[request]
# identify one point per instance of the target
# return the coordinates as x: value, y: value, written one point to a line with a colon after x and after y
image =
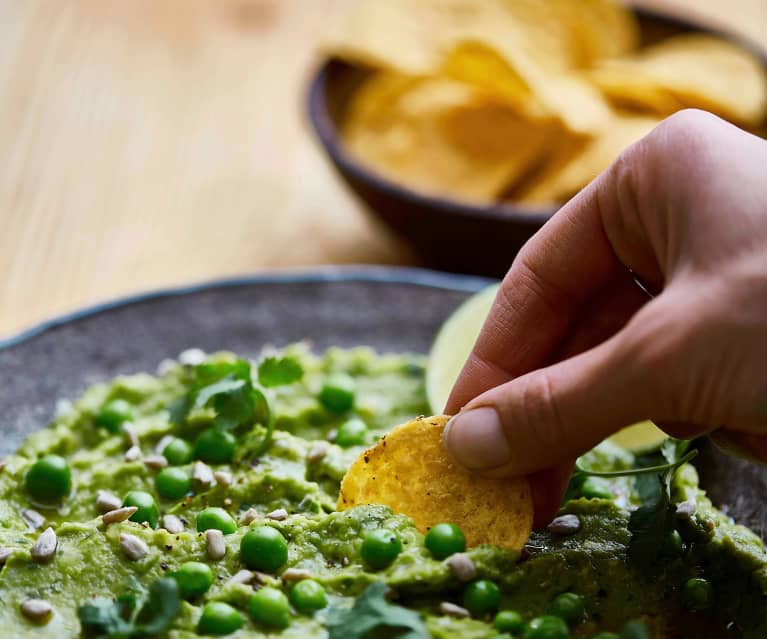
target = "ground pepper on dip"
x: 200, y: 502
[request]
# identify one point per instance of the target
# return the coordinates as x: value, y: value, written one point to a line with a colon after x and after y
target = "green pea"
x: 147, y: 507
x: 307, y: 596
x: 215, y: 446
x: 263, y: 548
x: 547, y: 627
x: 337, y: 394
x: 568, y: 606
x: 219, y: 619
x: 270, y: 607
x: 216, y: 518
x: 673, y: 545
x: 606, y: 635
x: 178, y: 452
x: 509, y: 621
x: 380, y: 548
x: 596, y: 488
x: 193, y: 578
x: 697, y: 594
x: 444, y: 540
x: 49, y: 479
x: 481, y: 597
x: 353, y: 432
x: 114, y: 414
x: 173, y: 483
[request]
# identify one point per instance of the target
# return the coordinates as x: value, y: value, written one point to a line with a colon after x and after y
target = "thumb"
x: 554, y: 414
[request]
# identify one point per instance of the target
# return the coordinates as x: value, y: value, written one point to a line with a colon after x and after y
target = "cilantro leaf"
x: 372, y: 612
x: 227, y: 388
x: 275, y: 371
x: 161, y: 607
x: 137, y: 614
x: 650, y: 523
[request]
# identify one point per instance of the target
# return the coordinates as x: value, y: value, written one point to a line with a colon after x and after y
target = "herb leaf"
x: 275, y: 371
x: 371, y: 612
x: 132, y: 615
x: 651, y: 523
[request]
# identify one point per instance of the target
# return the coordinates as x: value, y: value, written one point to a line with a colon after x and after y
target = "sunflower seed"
x: 278, y: 515
x: 317, y: 452
x: 106, y: 501
x: 164, y: 441
x: 33, y: 518
x: 296, y: 574
x: 461, y: 566
x: 133, y: 547
x: 686, y: 509
x: 45, y: 547
x: 216, y: 545
x: 37, y: 610
x: 172, y: 524
x: 564, y: 525
x: 447, y: 608
x: 132, y: 454
x: 118, y: 514
x: 192, y: 356
x: 202, y: 476
x: 250, y: 515
x: 155, y: 462
x: 4, y: 554
x: 131, y: 434
x: 223, y: 478
x: 242, y: 577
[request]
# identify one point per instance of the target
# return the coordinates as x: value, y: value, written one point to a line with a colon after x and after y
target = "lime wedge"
x: 453, y: 344
x: 639, y: 438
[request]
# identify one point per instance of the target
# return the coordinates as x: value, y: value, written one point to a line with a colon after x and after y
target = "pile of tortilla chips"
x: 523, y: 100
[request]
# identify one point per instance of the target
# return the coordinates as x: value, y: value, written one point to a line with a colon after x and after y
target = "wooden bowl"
x: 447, y: 234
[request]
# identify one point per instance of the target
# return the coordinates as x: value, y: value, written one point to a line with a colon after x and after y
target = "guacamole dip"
x: 200, y: 501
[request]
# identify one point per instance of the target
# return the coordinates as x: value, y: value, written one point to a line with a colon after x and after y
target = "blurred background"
x: 147, y: 143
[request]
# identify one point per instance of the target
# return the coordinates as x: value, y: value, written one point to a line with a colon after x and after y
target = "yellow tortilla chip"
x: 441, y: 137
x: 574, y: 165
x: 693, y: 70
x: 409, y: 471
x: 599, y: 28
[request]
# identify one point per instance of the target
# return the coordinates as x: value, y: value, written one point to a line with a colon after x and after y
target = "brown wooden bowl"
x: 447, y: 234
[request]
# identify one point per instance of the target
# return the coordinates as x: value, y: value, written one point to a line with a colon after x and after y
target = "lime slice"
x: 453, y: 344
x: 639, y: 438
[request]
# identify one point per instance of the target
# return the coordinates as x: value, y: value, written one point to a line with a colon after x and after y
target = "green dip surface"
x: 293, y: 486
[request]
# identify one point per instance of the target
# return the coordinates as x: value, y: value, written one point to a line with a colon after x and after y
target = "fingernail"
x: 475, y: 439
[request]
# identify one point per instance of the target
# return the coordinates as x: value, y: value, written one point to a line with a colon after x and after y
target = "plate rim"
x: 417, y: 276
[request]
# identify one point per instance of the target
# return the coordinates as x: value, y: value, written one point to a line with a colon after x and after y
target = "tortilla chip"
x: 692, y: 70
x: 441, y: 137
x: 409, y: 471
x: 574, y: 165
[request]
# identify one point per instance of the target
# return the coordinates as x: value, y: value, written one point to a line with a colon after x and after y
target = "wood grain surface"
x: 145, y: 143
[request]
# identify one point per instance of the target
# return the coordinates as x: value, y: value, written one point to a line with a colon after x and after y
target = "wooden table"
x: 145, y: 143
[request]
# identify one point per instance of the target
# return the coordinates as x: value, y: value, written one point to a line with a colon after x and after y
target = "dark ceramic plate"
x: 391, y: 309
x: 447, y: 234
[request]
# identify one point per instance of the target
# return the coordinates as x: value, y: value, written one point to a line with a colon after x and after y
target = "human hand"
x: 574, y: 350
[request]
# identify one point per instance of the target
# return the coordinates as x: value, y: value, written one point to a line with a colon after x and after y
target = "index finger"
x: 553, y: 276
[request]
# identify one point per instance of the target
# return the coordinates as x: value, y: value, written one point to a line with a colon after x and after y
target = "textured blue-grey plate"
x: 390, y: 309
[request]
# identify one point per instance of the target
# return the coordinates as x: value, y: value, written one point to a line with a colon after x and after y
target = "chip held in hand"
x: 409, y: 471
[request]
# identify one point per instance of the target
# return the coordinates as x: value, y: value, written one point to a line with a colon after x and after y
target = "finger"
x: 548, y: 488
x: 555, y: 276
x: 744, y: 445
x: 554, y: 414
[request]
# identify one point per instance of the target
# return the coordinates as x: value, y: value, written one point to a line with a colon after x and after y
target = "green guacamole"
x: 300, y: 472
